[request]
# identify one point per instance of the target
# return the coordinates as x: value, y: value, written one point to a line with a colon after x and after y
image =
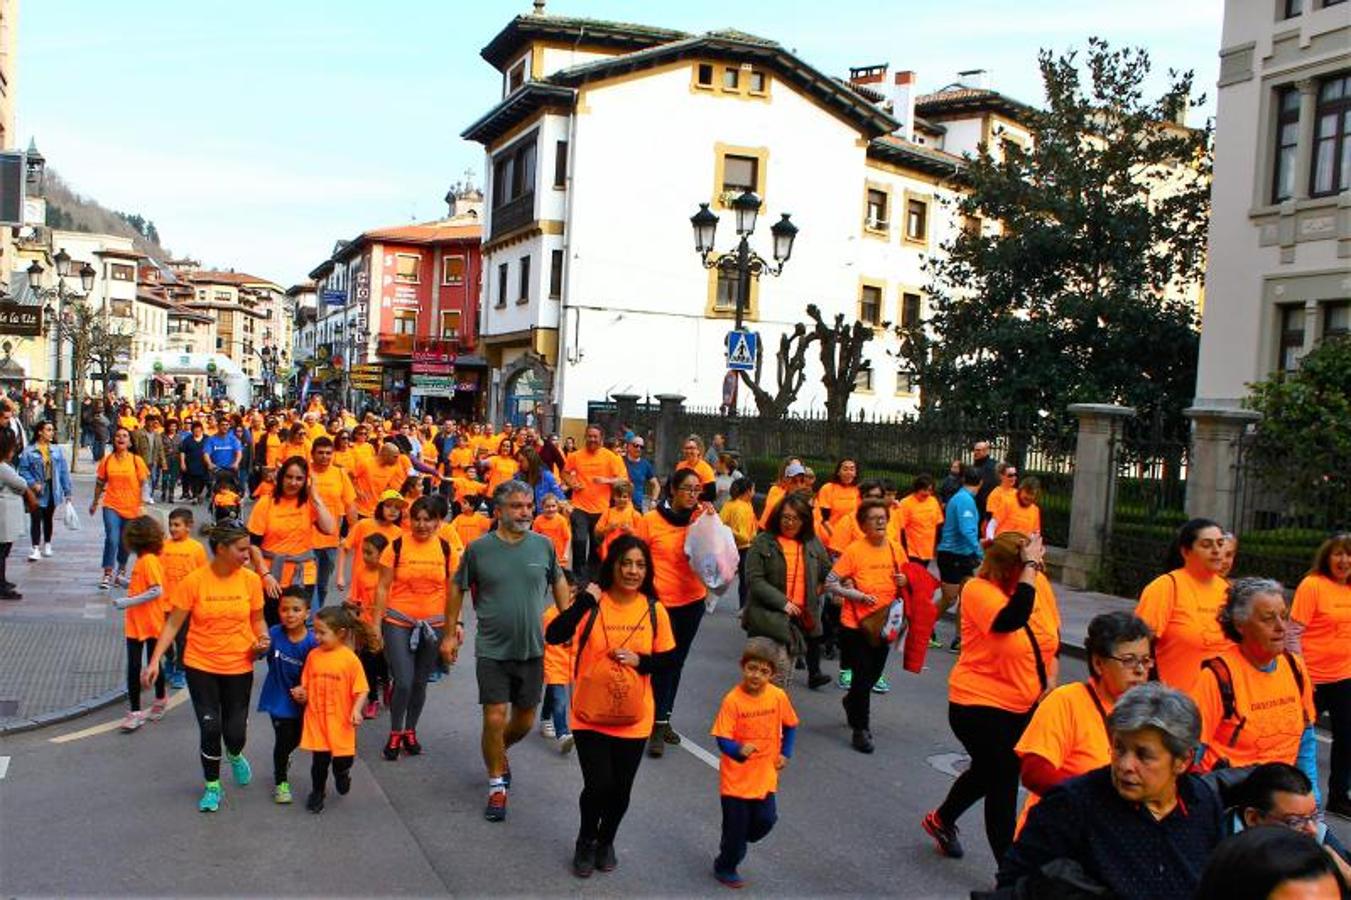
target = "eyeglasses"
x: 690, y: 489
x: 1295, y: 823
x: 1010, y: 474
x: 1134, y: 662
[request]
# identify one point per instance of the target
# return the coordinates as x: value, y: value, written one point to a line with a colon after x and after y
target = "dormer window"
x: 516, y: 75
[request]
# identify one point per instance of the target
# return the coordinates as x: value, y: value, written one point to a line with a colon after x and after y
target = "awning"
x: 166, y: 380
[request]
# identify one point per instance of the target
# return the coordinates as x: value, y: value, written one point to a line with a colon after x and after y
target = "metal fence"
x: 1151, y: 464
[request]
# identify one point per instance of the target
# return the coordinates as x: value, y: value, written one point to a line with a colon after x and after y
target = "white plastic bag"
x: 711, y: 549
x: 70, y: 516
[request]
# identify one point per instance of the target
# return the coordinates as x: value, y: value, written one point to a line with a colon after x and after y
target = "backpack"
x: 1224, y: 679
x: 445, y: 551
x: 609, y: 694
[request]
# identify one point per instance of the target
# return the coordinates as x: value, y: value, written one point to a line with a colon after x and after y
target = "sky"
x: 256, y: 133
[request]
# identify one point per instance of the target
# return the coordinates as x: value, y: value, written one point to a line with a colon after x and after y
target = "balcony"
x: 395, y: 344
x: 513, y: 214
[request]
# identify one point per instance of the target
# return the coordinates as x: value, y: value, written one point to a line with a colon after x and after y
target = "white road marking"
x: 698, y: 752
x: 4, y: 767
x: 177, y: 699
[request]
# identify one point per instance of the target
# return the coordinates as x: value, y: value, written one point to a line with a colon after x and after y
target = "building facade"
x: 250, y: 314
x: 1279, y: 272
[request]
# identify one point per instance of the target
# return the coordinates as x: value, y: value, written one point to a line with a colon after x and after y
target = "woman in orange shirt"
x: 282, y: 525
x: 692, y: 458
x: 678, y: 588
x: 1182, y: 606
x: 1021, y: 513
x: 120, y: 475
x: 501, y: 468
x: 626, y: 628
x: 222, y: 603
x: 792, y: 477
x: 1010, y: 630
x: 1320, y: 629
x: 837, y: 500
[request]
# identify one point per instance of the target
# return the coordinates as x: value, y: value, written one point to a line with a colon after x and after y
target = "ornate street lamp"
x: 742, y: 262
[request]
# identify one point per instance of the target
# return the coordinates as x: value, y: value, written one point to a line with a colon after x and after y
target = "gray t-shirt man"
x: 511, y: 584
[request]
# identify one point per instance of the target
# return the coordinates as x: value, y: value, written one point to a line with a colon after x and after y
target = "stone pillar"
x: 1094, y: 489
x: 1308, y: 101
x: 626, y: 408
x: 668, y: 441
x: 1212, y: 476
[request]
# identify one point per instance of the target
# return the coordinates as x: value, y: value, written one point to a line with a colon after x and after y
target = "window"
x: 731, y: 79
x: 877, y: 210
x: 514, y: 173
x: 1332, y: 138
x: 220, y: 343
x: 863, y: 381
x: 223, y: 296
x: 1293, y: 8
x: 561, y: 164
x: 740, y: 173
x: 916, y: 220
x: 201, y: 295
x: 1287, y: 139
x: 119, y: 272
x: 452, y: 270
x: 405, y: 322
x: 910, y: 306
x: 728, y: 285
x: 556, y: 274
x: 1292, y: 337
x: 406, y: 268
x: 870, y: 305
x: 1336, y: 320
x: 703, y: 75
x: 905, y: 381
x: 759, y: 82
x: 450, y: 323
x: 516, y: 76
x: 502, y: 285
x: 523, y: 292
x: 122, y: 308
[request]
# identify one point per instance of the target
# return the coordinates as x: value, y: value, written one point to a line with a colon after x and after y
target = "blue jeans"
x: 325, y: 559
x: 743, y: 821
x: 556, y: 707
x: 113, y: 549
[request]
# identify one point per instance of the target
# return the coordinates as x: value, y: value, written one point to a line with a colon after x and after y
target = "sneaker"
x: 240, y: 769
x: 506, y: 777
x: 342, y: 781
x: 410, y: 744
x: 315, y: 802
x: 656, y: 746
x: 606, y: 860
x: 546, y: 728
x: 436, y: 676
x: 106, y: 582
x: 956, y: 645
x: 370, y: 710
x: 210, y: 801
x: 935, y: 643
x: 846, y: 679
x: 565, y: 743
x: 496, y: 809
x: 35, y: 555
x: 46, y: 549
x: 670, y: 736
x: 945, y: 836
x: 157, y: 710
x: 393, y: 745
x: 862, y: 740
x: 882, y: 686
x: 729, y: 879
x: 817, y: 680
x: 584, y: 859
x: 121, y: 579
x: 131, y: 722
x: 282, y: 793
x: 10, y: 594
x: 178, y: 679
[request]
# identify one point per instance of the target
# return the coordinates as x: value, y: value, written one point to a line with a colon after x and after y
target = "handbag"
x: 874, y: 624
x: 609, y: 694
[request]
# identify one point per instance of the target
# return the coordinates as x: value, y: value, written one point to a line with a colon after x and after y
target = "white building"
x: 115, y: 262
x: 1279, y: 273
x: 605, y: 140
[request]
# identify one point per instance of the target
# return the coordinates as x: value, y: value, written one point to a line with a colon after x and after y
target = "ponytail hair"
x: 344, y: 621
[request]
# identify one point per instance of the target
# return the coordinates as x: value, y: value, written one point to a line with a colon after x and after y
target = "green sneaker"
x: 282, y: 793
x: 846, y: 679
x: 935, y: 643
x: 882, y: 685
x: 210, y: 801
x: 240, y: 768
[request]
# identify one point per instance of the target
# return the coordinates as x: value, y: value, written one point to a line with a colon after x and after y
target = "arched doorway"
x: 526, y: 398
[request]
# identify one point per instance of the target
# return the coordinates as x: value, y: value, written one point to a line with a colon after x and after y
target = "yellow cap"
x: 392, y: 495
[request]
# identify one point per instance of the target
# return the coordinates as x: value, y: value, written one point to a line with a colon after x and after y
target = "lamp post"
x: 62, y: 326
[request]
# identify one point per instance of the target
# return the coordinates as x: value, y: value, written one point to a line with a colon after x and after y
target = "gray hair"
x: 1237, y: 609
x: 1155, y: 705
x: 510, y: 488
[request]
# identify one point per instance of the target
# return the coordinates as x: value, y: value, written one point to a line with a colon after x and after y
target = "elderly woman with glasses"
x: 1140, y: 827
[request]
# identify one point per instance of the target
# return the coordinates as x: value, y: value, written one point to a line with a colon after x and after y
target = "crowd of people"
x: 1194, y: 733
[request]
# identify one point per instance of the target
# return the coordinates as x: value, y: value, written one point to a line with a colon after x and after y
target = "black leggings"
x: 377, y: 672
x: 666, y: 683
x: 989, y: 735
x: 221, y: 704
x: 410, y: 672
x: 866, y: 663
x: 609, y: 766
x: 4, y: 562
x: 40, y: 521
x: 139, y: 652
x: 287, y: 738
x: 1335, y: 697
x: 319, y: 768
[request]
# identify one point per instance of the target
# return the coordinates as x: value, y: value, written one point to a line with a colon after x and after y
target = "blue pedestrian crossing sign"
x: 743, y: 349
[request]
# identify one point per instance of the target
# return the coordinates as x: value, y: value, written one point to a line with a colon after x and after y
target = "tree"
x: 841, y: 359
x: 1080, y: 295
x: 789, y: 373
x: 92, y: 338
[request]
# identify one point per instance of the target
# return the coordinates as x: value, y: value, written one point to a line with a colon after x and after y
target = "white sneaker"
x: 565, y: 744
x: 46, y: 549
x: 546, y: 728
x: 121, y: 579
x: 35, y: 555
x: 132, y: 721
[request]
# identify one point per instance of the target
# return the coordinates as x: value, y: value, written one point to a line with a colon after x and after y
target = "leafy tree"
x: 841, y: 349
x: 93, y: 337
x: 789, y: 373
x: 1080, y: 294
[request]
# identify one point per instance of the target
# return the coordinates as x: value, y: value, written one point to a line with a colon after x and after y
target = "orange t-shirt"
x: 272, y: 452
x: 699, y: 467
x: 471, y: 526
x: 362, y: 592
x: 332, y: 680
x: 873, y: 571
x: 345, y: 460
x: 180, y: 558
x: 1181, y: 612
x: 291, y: 448
x: 1069, y: 731
x: 220, y: 626
x: 501, y: 469
x: 335, y: 490
x: 675, y: 580
x: 842, y: 500
x: 287, y: 529
x: 759, y: 720
x: 365, y: 528
x: 617, y: 520
x: 999, y: 669
x: 122, y: 478
x: 145, y: 621
x: 419, y: 587
x: 797, y: 574
x: 1016, y: 517
x: 460, y: 459
x: 999, y: 498
x: 559, y: 533
x: 1323, y: 607
x: 918, y: 520
x: 628, y: 625
x: 374, y: 479
x: 583, y: 465
x: 558, y: 658
x: 772, y: 498
x: 1273, y: 711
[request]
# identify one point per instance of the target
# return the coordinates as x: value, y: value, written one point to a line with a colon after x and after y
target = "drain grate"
x: 9, y: 709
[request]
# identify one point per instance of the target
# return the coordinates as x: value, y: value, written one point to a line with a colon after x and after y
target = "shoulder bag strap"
x: 581, y: 644
x: 1036, y: 656
x: 398, y: 548
x: 1097, y: 703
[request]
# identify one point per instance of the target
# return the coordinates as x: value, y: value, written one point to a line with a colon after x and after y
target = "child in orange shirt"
x: 556, y: 528
x: 225, y: 501
x: 756, y: 728
x: 738, y: 515
x: 145, y: 613
x: 621, y: 518
x: 553, y: 714
x: 360, y: 603
x: 332, y: 687
x: 266, y: 484
x: 470, y: 523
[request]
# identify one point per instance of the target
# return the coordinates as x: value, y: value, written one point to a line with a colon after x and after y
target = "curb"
x: 57, y: 716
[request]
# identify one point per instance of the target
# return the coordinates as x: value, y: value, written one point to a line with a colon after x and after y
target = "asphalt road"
x: 111, y: 814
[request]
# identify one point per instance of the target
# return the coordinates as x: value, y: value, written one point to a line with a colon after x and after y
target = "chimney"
x: 868, y: 74
x: 975, y: 79
x: 903, y: 103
